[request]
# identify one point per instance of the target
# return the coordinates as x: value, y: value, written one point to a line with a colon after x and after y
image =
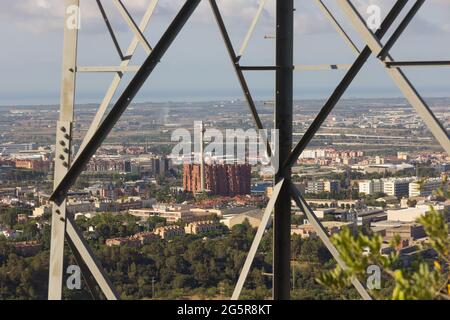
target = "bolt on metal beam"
x: 62, y: 152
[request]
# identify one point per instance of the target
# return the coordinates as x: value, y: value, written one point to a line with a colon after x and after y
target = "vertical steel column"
x: 63, y: 146
x: 283, y: 122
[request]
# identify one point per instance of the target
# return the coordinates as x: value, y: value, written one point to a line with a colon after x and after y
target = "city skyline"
x: 342, y: 192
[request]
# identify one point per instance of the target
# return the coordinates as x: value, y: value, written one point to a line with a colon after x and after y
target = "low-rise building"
x: 200, y: 227
x: 143, y: 213
x: 33, y: 164
x: 125, y: 241
x: 137, y: 240
x: 144, y: 237
x: 172, y: 214
x: 253, y: 217
x: 406, y: 231
x: 412, y: 214
x: 27, y: 248
x: 367, y: 216
x: 41, y: 210
x: 82, y: 206
x: 307, y: 230
x: 169, y: 232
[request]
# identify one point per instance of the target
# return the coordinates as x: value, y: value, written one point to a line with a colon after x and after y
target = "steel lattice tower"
x: 68, y: 168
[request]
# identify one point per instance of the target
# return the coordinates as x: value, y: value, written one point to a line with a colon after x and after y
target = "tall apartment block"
x: 220, y: 179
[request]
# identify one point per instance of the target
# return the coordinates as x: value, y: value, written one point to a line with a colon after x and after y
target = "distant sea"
x: 10, y: 99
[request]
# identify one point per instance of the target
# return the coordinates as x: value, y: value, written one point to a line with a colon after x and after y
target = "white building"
x: 313, y: 154
x: 424, y: 189
x: 370, y: 187
x: 396, y: 186
x: 315, y: 187
x: 253, y: 217
x: 412, y: 214
x: 365, y: 187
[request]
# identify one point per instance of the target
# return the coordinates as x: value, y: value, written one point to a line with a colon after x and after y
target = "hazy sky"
x: 197, y: 66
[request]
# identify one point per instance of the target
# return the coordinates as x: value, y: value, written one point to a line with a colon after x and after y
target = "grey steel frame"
x: 67, y: 171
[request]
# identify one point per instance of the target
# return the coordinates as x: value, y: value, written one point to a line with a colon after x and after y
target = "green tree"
x: 424, y: 280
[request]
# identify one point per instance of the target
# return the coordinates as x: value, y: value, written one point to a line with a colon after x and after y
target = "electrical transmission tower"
x: 69, y: 168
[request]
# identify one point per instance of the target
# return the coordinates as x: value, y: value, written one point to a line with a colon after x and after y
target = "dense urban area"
x: 373, y: 168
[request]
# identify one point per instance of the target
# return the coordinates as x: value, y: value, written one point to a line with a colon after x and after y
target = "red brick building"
x: 220, y: 179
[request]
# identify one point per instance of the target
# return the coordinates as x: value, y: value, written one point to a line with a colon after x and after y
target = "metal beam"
x: 91, y: 262
x: 258, y: 68
x: 323, y: 235
x: 133, y: 26
x: 283, y: 123
x: 90, y: 284
x: 400, y: 29
x: 265, y: 221
x: 250, y: 31
x: 300, y: 67
x: 63, y: 146
x: 337, y: 26
x: 400, y: 79
x: 240, y: 75
x: 118, y: 77
x: 124, y: 101
x: 398, y: 64
x: 343, y: 86
x: 322, y: 67
x: 234, y: 59
x: 110, y: 29
x: 102, y: 69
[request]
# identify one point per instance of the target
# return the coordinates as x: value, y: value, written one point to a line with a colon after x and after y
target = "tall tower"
x: 202, y: 157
